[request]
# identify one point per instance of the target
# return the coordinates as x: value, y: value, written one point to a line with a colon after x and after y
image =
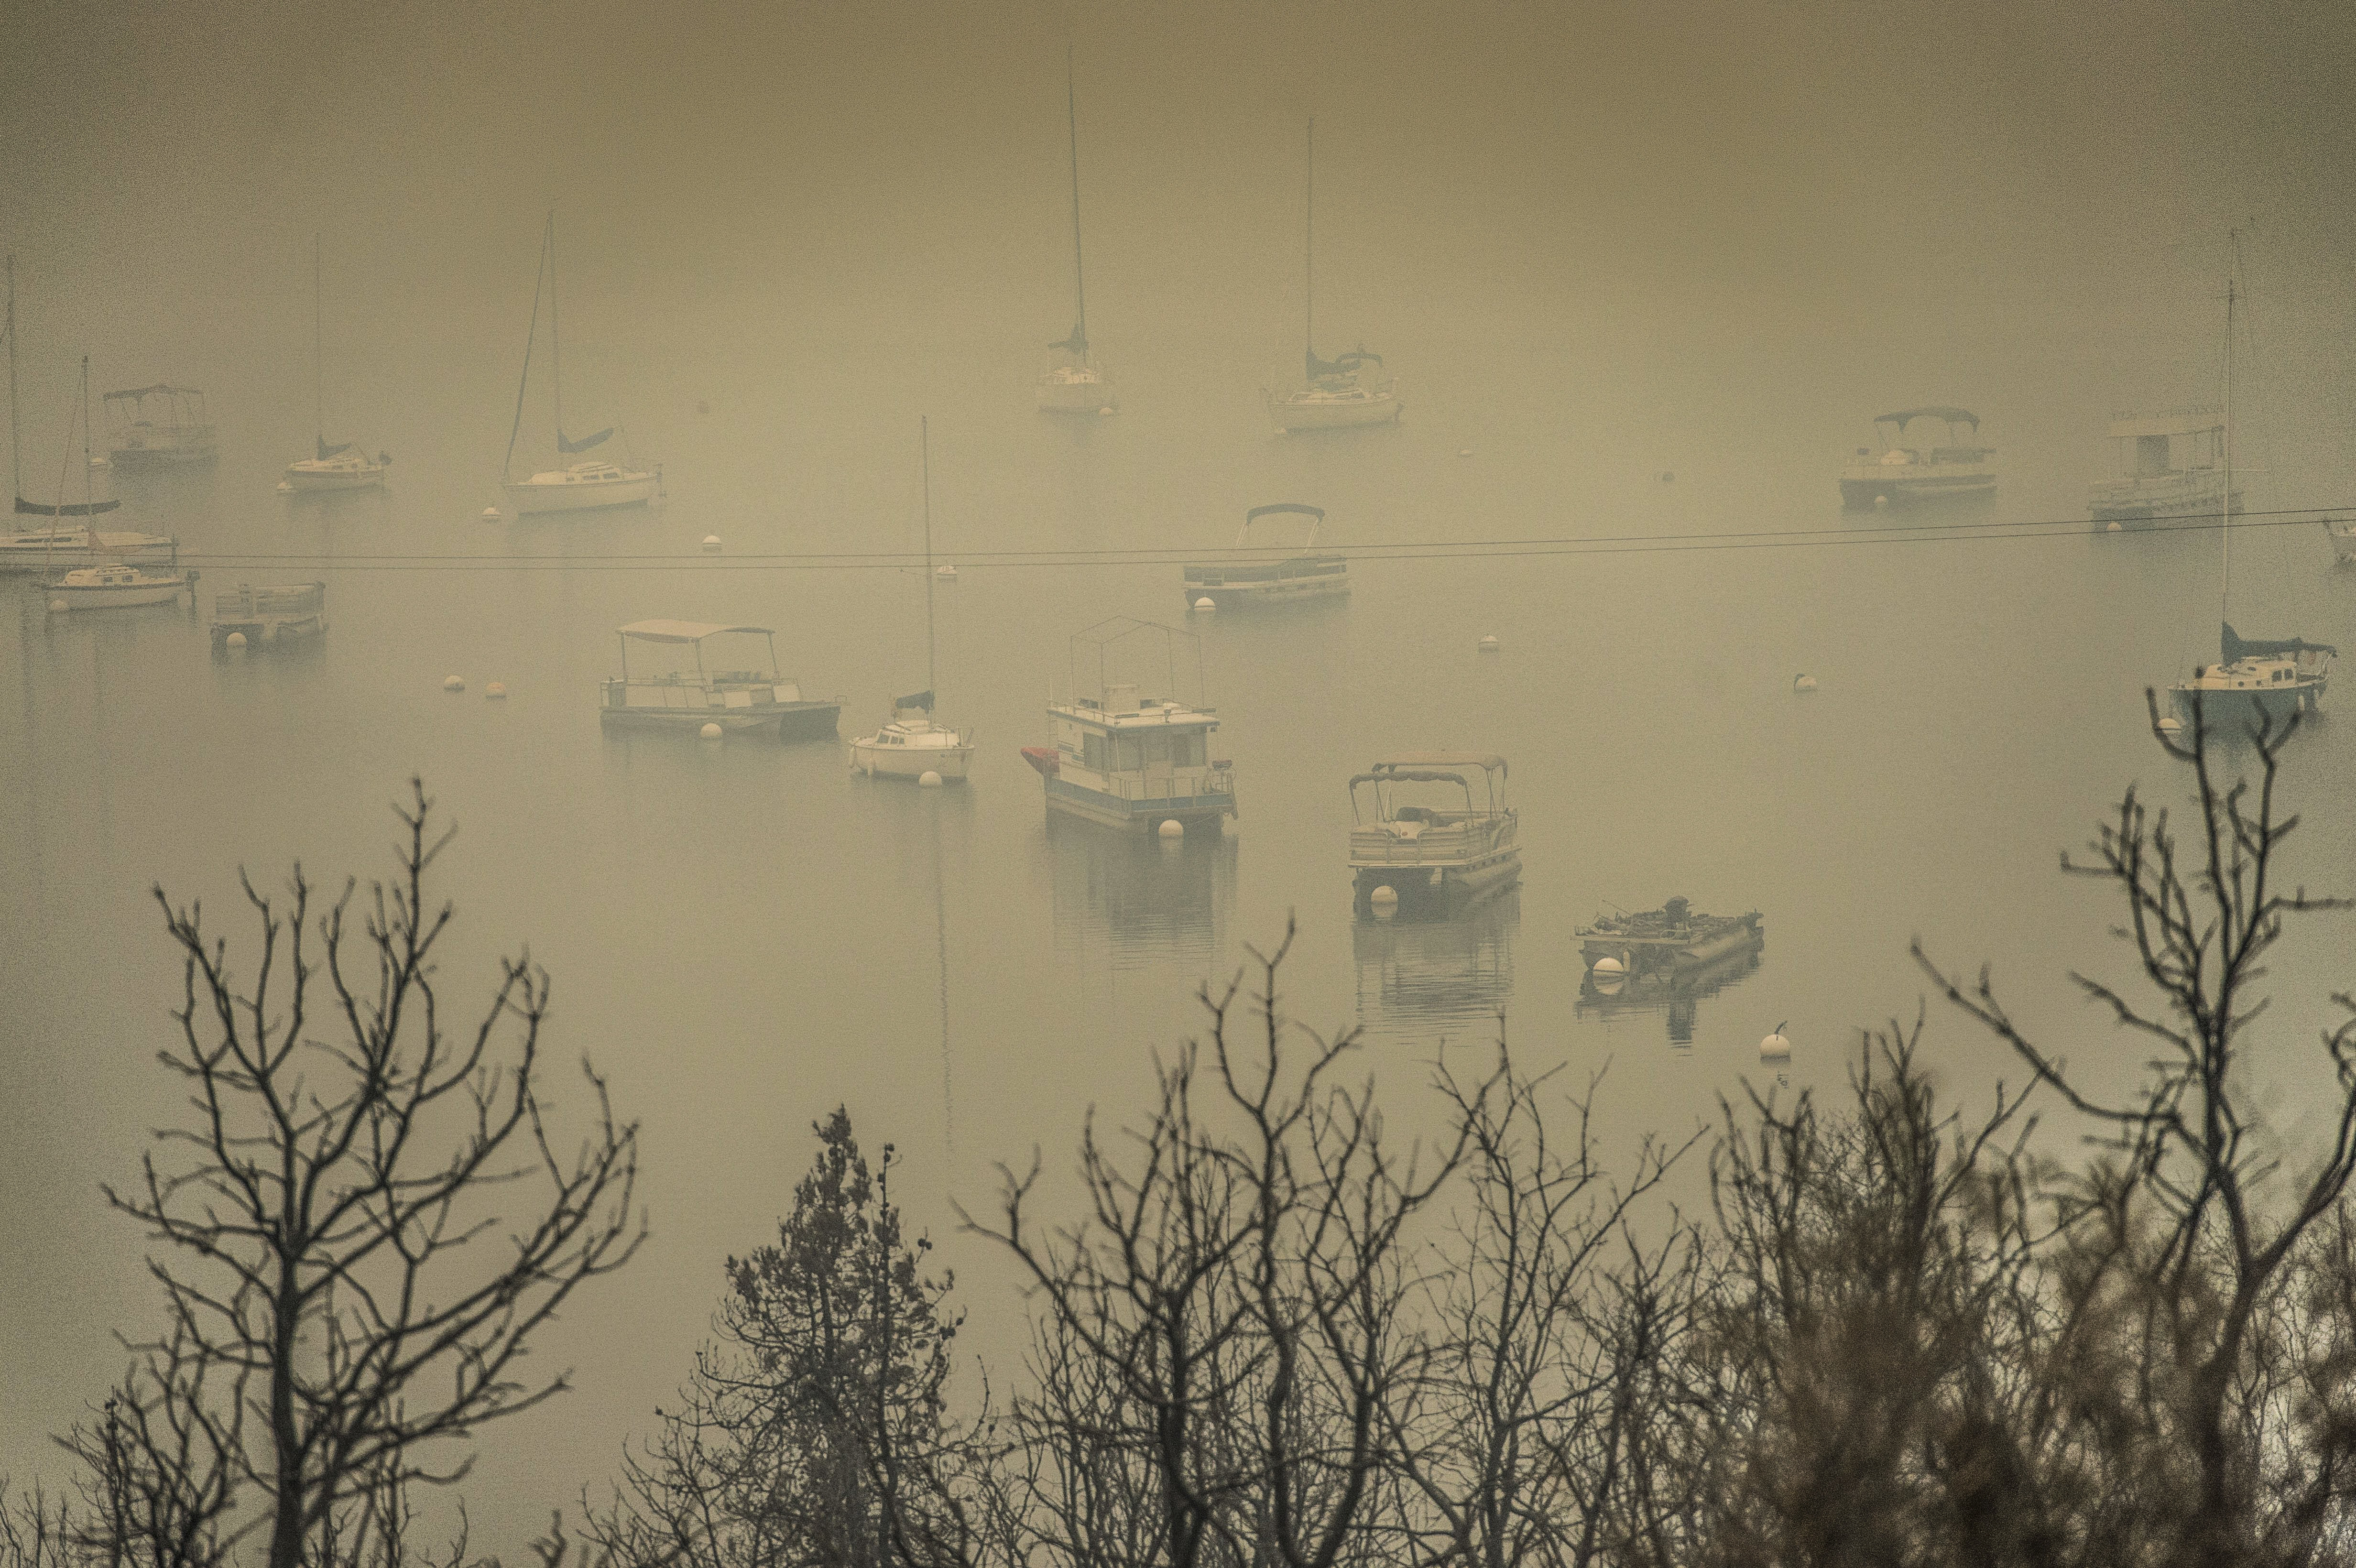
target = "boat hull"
x: 600, y: 496
x: 2232, y: 712
x: 2158, y: 500
x: 1059, y: 397
x: 163, y: 455
x: 305, y: 480
x: 911, y: 762
x: 787, y: 720
x: 1864, y: 491
x: 2343, y: 541
x: 1194, y: 812
x: 135, y: 549
x: 1444, y: 889
x: 1299, y: 413
x: 74, y: 596
x: 1243, y: 596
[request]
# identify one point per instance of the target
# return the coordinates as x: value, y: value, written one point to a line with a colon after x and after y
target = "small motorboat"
x: 1305, y: 575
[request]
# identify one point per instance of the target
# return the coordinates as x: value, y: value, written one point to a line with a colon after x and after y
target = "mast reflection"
x: 1142, y: 899
x: 1438, y: 977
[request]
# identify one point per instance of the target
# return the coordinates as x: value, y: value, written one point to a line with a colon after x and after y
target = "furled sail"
x: 923, y: 699
x: 326, y: 452
x: 584, y: 443
x: 74, y: 509
x: 2232, y: 648
x: 1077, y: 343
x: 1347, y: 364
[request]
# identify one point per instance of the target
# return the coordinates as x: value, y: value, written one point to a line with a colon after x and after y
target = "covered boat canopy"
x: 2171, y: 421
x: 682, y: 631
x: 2232, y: 648
x: 1259, y: 512
x: 1413, y: 775
x: 1431, y: 767
x: 160, y: 389
x: 1903, y: 417
x: 1485, y: 760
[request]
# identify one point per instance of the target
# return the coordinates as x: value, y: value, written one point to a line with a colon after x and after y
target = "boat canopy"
x: 2232, y: 648
x: 1904, y: 417
x: 682, y: 631
x: 2172, y: 422
x: 1384, y: 775
x: 1257, y: 513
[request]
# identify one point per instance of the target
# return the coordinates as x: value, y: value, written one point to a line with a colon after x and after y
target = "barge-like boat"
x: 1306, y: 575
x: 734, y: 699
x: 1902, y: 475
x: 1675, y: 936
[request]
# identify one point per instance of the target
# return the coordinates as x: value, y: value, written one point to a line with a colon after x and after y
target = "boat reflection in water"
x: 1676, y: 991
x: 1140, y: 900
x: 1438, y: 977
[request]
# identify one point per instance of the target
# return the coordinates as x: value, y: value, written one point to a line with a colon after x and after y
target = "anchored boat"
x: 912, y: 745
x: 583, y: 487
x: 2342, y: 531
x: 1901, y: 475
x: 1350, y: 389
x: 1673, y: 936
x: 341, y: 466
x: 735, y: 699
x: 2171, y: 465
x: 1411, y: 858
x: 1306, y: 575
x: 158, y: 426
x: 117, y: 587
x: 1074, y: 383
x: 1127, y: 759
x: 269, y: 614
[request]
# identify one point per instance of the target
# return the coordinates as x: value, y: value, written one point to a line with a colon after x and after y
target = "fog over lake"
x: 1645, y: 277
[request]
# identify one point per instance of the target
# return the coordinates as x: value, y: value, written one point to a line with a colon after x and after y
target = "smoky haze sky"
x: 853, y: 172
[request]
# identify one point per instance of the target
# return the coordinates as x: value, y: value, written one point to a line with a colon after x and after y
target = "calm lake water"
x: 745, y: 935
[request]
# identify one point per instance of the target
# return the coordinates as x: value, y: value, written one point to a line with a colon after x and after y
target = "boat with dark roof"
x: 1902, y: 474
x: 1415, y: 852
x: 1305, y: 574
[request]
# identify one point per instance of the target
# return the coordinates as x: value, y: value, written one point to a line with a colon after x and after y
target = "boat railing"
x: 1457, y: 841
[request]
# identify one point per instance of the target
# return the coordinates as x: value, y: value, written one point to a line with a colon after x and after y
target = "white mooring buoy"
x: 1464, y: 452
x: 1490, y: 645
x: 491, y: 515
x: 1776, y: 1047
x: 234, y: 640
x: 1384, y: 898
x: 496, y: 689
x: 1804, y: 682
x: 2113, y: 528
x: 946, y: 573
x: 709, y: 732
x: 59, y: 606
x: 1173, y: 829
x: 928, y: 779
x: 285, y: 487
x: 1609, y: 966
x: 453, y: 683
x: 1207, y: 605
x: 712, y: 544
x: 1106, y: 410
x: 2172, y: 726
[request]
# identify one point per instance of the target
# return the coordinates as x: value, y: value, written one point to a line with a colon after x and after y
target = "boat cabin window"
x: 1188, y: 747
x: 1096, y: 751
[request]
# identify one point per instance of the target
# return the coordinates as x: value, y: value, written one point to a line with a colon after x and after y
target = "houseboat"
x: 2169, y: 465
x: 1901, y: 475
x: 1409, y: 856
x: 1126, y: 759
x: 1305, y: 575
x: 743, y: 699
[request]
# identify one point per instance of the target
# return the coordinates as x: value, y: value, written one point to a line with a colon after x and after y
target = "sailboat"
x: 2253, y: 681
x: 1351, y: 389
x: 55, y: 546
x: 1073, y: 383
x: 912, y: 745
x: 583, y: 487
x: 341, y: 467
x: 109, y: 583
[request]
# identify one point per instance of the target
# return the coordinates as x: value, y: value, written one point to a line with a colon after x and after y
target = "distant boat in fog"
x: 1303, y: 575
x: 1073, y: 383
x: 1899, y: 474
x: 1352, y: 388
x: 2253, y: 680
x: 2171, y: 465
x: 912, y: 745
x: 1125, y: 758
x: 2342, y: 531
x: 161, y: 426
x: 108, y: 584
x: 756, y: 698
x: 583, y: 487
x: 56, y: 547
x: 340, y: 468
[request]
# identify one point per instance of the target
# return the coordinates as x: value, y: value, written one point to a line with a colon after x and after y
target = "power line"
x: 1432, y: 550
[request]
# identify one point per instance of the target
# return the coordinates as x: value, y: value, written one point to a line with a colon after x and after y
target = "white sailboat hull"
x: 562, y: 491
x: 114, y: 597
x: 910, y: 762
x: 70, y: 549
x: 1082, y: 392
x: 313, y: 476
x: 1332, y: 411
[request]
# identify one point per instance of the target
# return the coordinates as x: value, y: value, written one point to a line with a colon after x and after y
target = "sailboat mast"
x: 925, y: 445
x: 1309, y: 244
x: 318, y: 350
x: 2225, y: 572
x: 15, y: 441
x: 555, y: 337
x: 1079, y: 276
x: 88, y: 510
